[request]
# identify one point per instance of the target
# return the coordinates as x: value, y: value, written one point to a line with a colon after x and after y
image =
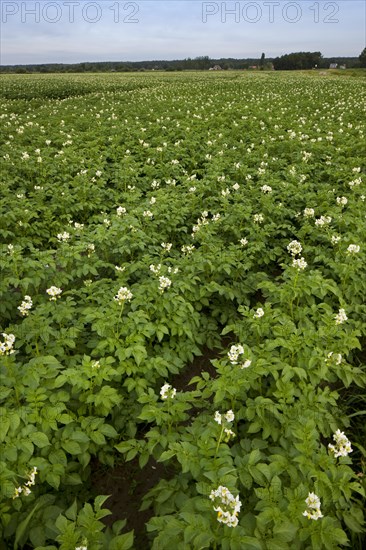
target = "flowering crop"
x: 228, y: 417
x: 167, y: 391
x: 226, y: 505
x: 121, y: 210
x: 6, y: 347
x: 259, y: 313
x: 323, y: 220
x: 230, y: 217
x: 164, y: 283
x: 25, y: 489
x: 63, y: 237
x: 341, y: 317
x: 54, y: 292
x: 309, y: 212
x: 342, y: 446
x: 294, y: 248
x: 25, y: 306
x: 234, y: 353
x: 353, y: 249
x: 299, y: 263
x: 123, y: 295
x: 313, y: 510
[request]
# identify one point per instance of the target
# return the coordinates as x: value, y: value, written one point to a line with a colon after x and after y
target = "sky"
x: 73, y: 31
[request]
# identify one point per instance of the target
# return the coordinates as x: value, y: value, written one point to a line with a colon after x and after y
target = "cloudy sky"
x: 71, y: 31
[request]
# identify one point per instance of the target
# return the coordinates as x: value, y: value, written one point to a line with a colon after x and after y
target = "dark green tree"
x: 362, y: 58
x: 202, y: 62
x: 297, y: 61
x: 261, y: 63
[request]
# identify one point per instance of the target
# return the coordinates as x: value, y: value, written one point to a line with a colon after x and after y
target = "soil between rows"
x: 127, y: 483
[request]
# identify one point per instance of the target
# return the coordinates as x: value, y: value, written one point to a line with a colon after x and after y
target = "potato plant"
x: 144, y: 219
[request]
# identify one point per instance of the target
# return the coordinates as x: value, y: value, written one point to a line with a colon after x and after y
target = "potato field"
x: 183, y: 311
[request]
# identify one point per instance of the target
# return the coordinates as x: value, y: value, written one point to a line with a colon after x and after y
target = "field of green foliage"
x: 151, y: 219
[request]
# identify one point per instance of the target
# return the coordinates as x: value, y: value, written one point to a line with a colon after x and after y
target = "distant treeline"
x: 292, y: 61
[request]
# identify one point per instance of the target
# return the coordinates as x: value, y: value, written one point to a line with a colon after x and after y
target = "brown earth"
x: 128, y: 484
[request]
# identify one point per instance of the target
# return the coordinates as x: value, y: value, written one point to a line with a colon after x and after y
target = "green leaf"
x: 285, y: 532
x: 58, y: 457
x: 125, y: 446
x: 61, y: 523
x: 203, y: 540
x: 254, y: 457
x: 143, y: 459
x: 71, y: 513
x: 71, y: 447
x: 166, y: 455
x: 53, y: 479
x: 100, y: 500
x: 39, y: 439
x: 4, y: 392
x: 122, y: 542
x: 37, y: 536
x: 131, y: 454
x: 65, y: 418
x: 277, y: 544
x: 73, y: 478
x: 108, y: 430
x: 353, y: 523
x: 79, y: 436
x: 5, y: 425
x: 21, y: 529
x: 250, y: 543
x: 14, y: 420
x: 98, y: 438
x: 246, y: 479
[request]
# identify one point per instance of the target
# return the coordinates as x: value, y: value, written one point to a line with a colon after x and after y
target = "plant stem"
x: 292, y: 299
x: 219, y: 441
x: 117, y: 334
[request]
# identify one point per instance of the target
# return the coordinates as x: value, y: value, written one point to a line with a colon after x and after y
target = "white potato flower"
x: 259, y: 313
x: 341, y: 317
x: 164, y: 283
x: 6, y: 347
x: 123, y: 295
x: 226, y: 505
x: 299, y: 263
x: 353, y: 249
x: 167, y: 391
x: 313, y: 504
x: 54, y: 293
x: 25, y: 306
x: 342, y: 446
x: 294, y: 248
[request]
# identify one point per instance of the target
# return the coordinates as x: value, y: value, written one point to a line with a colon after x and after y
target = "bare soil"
x: 128, y: 484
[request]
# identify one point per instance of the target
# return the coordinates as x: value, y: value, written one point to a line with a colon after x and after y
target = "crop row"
x: 145, y: 219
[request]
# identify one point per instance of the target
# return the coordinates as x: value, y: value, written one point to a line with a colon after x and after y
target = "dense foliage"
x: 144, y: 219
x: 201, y: 63
x: 298, y: 61
x: 362, y: 58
